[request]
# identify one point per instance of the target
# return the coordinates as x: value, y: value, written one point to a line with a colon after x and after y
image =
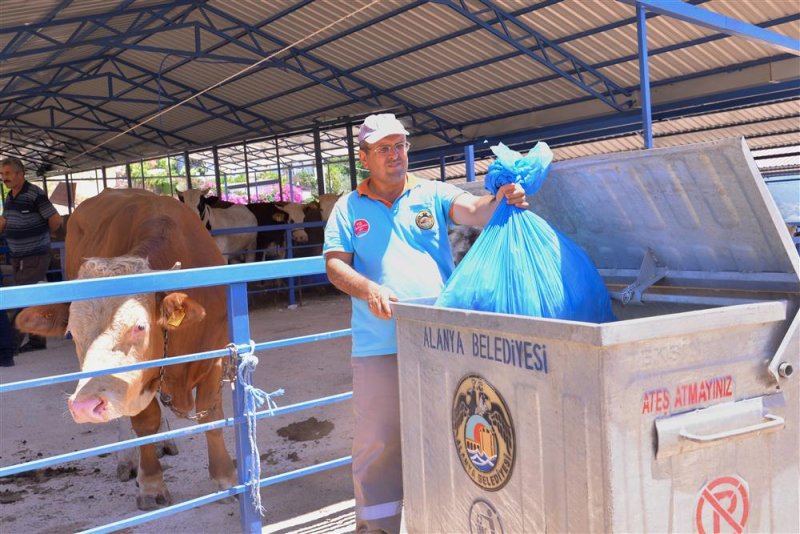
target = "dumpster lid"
x: 703, y: 209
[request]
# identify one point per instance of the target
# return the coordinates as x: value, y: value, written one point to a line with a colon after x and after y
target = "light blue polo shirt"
x: 402, y: 246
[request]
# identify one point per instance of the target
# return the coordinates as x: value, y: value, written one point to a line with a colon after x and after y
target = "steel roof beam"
x: 257, y: 124
x: 410, y: 50
x: 510, y: 55
x: 29, y: 156
x: 103, y: 126
x: 153, y: 13
x: 106, y: 127
x: 100, y: 20
x: 721, y: 23
x: 547, y: 53
x: 36, y: 147
x: 623, y: 123
x: 24, y: 35
x: 449, y: 36
x: 251, y: 125
x: 52, y: 66
x: 110, y: 41
x: 332, y: 71
x: 79, y: 143
x: 759, y: 98
x: 222, y: 110
x: 121, y: 9
x: 616, y: 61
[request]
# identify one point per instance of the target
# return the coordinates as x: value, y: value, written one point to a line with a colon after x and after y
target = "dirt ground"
x: 83, y: 494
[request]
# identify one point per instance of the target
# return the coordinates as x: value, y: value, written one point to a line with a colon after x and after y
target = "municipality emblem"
x: 483, y: 433
x: 425, y: 219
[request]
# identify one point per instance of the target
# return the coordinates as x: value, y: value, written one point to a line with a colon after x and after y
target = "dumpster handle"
x: 774, y: 421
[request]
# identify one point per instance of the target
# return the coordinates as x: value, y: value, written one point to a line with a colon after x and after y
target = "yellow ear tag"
x: 176, y: 318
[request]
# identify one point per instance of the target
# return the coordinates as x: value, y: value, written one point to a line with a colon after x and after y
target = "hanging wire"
x: 223, y: 81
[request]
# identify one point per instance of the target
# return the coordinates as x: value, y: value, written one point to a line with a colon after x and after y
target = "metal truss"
x: 617, y: 61
x: 519, y: 35
x: 217, y: 36
x: 718, y: 22
x: 349, y: 85
x: 618, y: 124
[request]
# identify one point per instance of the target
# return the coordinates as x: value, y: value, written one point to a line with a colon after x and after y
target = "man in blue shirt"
x: 27, y: 220
x: 386, y: 241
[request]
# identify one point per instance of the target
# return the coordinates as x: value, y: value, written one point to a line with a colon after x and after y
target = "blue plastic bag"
x: 520, y: 264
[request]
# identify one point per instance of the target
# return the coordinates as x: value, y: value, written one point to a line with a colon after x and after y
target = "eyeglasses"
x: 385, y: 150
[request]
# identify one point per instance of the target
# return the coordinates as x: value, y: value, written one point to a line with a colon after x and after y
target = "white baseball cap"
x: 376, y: 127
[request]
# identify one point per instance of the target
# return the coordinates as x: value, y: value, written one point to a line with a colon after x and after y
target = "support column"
x: 278, y: 164
x: 469, y: 162
x: 351, y: 158
x: 246, y: 173
x: 69, y: 192
x: 318, y: 161
x: 187, y: 169
x: 644, y: 76
x: 216, y: 172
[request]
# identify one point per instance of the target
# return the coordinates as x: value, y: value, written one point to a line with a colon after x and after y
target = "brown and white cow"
x: 133, y: 231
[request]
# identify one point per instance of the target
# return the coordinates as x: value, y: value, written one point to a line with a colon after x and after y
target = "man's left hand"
x: 514, y: 195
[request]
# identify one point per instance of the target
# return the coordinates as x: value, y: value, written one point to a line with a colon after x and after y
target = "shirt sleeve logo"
x: 425, y: 220
x: 360, y: 227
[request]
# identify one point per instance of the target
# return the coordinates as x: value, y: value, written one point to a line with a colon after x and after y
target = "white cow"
x: 296, y: 216
x: 231, y: 245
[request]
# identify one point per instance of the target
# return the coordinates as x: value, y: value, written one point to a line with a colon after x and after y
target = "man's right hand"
x: 379, y: 298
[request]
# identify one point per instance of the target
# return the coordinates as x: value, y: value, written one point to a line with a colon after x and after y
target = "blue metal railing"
x: 235, y: 277
x: 291, y: 250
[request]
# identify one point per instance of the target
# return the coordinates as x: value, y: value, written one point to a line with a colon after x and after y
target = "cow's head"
x: 110, y: 332
x: 196, y: 198
x: 296, y: 216
x: 326, y: 203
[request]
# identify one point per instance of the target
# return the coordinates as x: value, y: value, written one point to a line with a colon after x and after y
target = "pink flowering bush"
x: 271, y: 193
x: 268, y: 193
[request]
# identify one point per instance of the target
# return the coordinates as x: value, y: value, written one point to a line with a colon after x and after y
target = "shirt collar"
x: 24, y: 188
x: 363, y: 189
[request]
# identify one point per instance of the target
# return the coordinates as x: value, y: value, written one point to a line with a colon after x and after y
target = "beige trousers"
x: 377, y: 465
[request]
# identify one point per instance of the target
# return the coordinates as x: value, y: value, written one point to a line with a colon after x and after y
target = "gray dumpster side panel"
x: 586, y: 453
x: 659, y: 495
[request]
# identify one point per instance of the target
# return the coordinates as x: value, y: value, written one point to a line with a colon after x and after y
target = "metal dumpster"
x: 680, y: 417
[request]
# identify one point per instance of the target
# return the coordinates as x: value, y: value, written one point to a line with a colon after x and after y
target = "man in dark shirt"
x: 27, y: 220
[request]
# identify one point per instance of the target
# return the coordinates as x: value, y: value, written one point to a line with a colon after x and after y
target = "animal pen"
x: 241, y: 352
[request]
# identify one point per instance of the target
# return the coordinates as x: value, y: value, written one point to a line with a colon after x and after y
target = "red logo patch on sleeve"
x: 360, y: 227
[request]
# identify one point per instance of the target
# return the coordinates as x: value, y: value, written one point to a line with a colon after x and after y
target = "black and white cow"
x: 231, y: 245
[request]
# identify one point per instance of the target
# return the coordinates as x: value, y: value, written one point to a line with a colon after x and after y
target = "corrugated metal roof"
x: 447, y: 76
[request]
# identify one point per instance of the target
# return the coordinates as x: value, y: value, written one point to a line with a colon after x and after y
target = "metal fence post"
x: 289, y: 255
x: 239, y: 333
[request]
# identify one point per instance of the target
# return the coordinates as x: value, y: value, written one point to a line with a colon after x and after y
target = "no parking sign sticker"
x: 723, y: 505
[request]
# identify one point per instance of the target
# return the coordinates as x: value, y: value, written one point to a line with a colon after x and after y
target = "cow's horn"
x: 176, y: 267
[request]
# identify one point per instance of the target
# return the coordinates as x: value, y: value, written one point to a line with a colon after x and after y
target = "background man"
x: 385, y: 241
x: 27, y: 220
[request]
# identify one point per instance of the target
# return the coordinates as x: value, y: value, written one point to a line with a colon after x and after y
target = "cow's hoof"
x: 153, y: 502
x: 169, y: 447
x: 126, y: 471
